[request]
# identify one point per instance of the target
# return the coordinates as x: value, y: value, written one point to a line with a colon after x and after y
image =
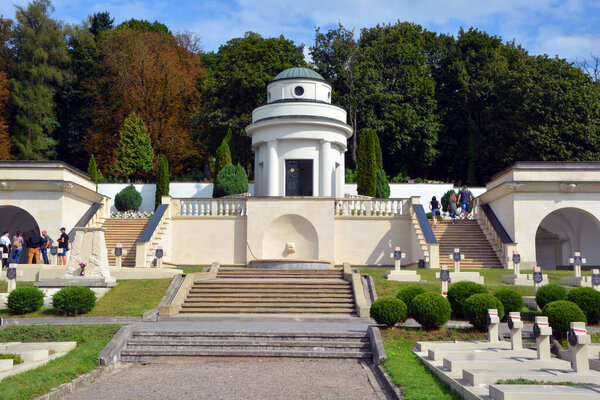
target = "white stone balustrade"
x: 211, y: 207
x: 369, y: 208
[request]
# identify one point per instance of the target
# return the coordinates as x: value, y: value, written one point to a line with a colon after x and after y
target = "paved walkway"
x: 236, y: 379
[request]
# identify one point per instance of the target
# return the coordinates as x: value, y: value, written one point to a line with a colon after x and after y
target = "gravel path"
x: 235, y: 379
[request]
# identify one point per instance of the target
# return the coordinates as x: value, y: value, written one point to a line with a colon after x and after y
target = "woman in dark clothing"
x: 434, y: 206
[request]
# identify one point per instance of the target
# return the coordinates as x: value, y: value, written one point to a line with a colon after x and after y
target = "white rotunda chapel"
x: 299, y: 138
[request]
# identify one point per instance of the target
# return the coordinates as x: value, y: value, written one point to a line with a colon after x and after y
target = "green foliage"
x: 475, y: 309
x: 459, y: 292
x: 25, y: 300
x: 223, y: 157
x: 141, y: 25
x: 560, y: 314
x: 588, y: 299
x: 128, y: 199
x: 388, y: 311
x: 350, y: 176
x: 401, y: 177
x: 549, y: 293
x: 445, y: 200
x: 232, y: 179
x: 430, y: 216
x: 383, y: 187
x: 408, y: 293
x: 162, y: 181
x: 431, y: 310
x: 93, y: 169
x: 74, y: 300
x: 15, y: 357
x: 134, y: 152
x: 377, y: 148
x: 511, y: 300
x: 37, y: 42
x: 101, y: 21
x: 366, y: 169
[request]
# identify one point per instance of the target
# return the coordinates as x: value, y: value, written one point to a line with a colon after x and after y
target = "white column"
x: 272, y: 182
x: 340, y: 177
x: 325, y: 170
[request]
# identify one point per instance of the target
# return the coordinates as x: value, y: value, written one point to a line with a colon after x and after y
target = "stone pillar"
x: 493, y: 322
x: 542, y: 332
x: 578, y: 342
x: 516, y: 326
x: 272, y: 181
x: 326, y: 169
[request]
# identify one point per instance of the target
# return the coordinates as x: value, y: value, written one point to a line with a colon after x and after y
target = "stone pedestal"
x: 403, y: 275
x: 577, y: 281
x: 523, y: 279
x: 463, y: 276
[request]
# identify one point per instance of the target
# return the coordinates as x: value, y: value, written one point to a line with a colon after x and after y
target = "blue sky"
x: 568, y: 28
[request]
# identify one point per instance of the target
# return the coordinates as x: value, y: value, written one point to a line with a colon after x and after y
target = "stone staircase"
x: 151, y: 346
x: 271, y: 291
x: 467, y: 235
x: 125, y: 232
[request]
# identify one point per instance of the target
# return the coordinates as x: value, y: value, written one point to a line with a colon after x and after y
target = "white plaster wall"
x: 369, y: 241
x: 300, y: 108
x: 284, y: 89
x: 201, y: 241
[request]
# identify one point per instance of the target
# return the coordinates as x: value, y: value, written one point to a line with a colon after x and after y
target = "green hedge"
x: 128, y: 199
x: 232, y: 179
x: 560, y: 314
x: 388, y: 311
x: 511, y: 300
x: 476, y: 309
x: 408, y: 293
x: 25, y: 300
x: 588, y: 299
x: 549, y: 293
x: 74, y: 300
x: 431, y: 310
x: 459, y: 292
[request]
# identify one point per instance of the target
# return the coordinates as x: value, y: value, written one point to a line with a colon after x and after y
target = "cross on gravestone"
x: 118, y: 255
x: 578, y: 341
x: 397, y: 255
x: 596, y: 279
x: 444, y: 277
x: 516, y: 259
x: 493, y: 321
x: 538, y: 277
x: 577, y: 261
x: 456, y: 256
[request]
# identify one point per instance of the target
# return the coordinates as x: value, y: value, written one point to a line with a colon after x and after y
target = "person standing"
x: 46, y: 246
x: 63, y: 244
x: 434, y: 206
x: 465, y: 199
x: 452, y: 206
x: 5, y: 244
x: 34, y: 244
x: 17, y: 247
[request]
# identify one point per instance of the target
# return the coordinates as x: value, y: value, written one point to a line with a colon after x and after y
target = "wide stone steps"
x: 125, y: 232
x: 154, y: 346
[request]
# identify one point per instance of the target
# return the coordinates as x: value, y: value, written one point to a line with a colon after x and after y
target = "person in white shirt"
x: 5, y: 244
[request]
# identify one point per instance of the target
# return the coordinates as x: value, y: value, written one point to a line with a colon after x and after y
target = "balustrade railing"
x: 370, y: 207
x: 211, y: 207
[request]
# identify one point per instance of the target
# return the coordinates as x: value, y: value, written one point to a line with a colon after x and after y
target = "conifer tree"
x: 134, y: 151
x: 223, y: 156
x: 366, y: 170
x: 92, y: 169
x: 377, y: 147
x: 162, y: 181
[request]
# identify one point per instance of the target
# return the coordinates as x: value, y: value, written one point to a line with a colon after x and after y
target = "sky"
x: 567, y: 28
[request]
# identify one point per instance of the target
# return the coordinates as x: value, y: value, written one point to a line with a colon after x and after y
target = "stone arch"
x: 564, y: 231
x: 293, y: 229
x: 13, y: 219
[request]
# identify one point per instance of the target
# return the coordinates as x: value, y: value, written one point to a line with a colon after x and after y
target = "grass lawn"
x: 90, y: 342
x: 191, y: 270
x: 130, y: 298
x: 413, y: 378
x: 385, y: 287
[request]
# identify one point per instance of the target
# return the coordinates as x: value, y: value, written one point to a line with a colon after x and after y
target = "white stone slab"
x: 544, y: 392
x: 479, y: 354
x: 30, y: 355
x: 403, y: 276
x: 463, y: 276
x: 462, y: 345
x: 57, y: 347
x: 523, y: 280
x: 511, y: 363
x: 5, y: 365
x: 480, y: 377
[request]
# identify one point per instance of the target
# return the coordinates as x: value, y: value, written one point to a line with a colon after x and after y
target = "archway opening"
x: 563, y: 232
x: 13, y: 219
x: 291, y: 237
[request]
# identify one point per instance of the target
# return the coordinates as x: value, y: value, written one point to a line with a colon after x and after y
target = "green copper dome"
x: 298, y: 72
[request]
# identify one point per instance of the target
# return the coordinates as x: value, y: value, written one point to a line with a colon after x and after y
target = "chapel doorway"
x: 298, y: 177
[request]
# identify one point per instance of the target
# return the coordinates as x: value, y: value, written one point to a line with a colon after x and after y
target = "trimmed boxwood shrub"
x: 511, y: 300
x: 388, y: 311
x: 74, y: 300
x: 128, y: 199
x: 408, y: 293
x: 25, y: 300
x: 476, y: 307
x: 588, y: 299
x: 459, y: 292
x: 549, y: 293
x: 232, y: 179
x: 431, y: 310
x: 560, y: 314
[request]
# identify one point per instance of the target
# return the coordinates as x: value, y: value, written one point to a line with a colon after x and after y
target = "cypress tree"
x: 93, y: 169
x: 223, y: 157
x: 366, y: 169
x: 134, y: 151
x: 377, y: 147
x: 162, y: 181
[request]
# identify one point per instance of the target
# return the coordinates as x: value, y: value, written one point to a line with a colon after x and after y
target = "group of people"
x: 36, y: 244
x: 464, y: 199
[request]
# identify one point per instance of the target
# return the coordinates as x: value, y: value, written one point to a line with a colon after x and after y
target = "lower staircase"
x: 125, y: 232
x: 465, y: 234
x: 272, y: 291
x: 150, y: 346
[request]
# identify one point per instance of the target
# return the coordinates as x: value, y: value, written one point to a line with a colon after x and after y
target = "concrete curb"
x: 369, y: 285
x: 152, y: 315
x: 70, y: 321
x: 71, y: 387
x: 111, y: 354
x: 391, y: 391
x: 377, y: 348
